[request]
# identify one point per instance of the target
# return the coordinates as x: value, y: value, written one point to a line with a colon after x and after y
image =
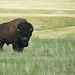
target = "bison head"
x: 24, y: 30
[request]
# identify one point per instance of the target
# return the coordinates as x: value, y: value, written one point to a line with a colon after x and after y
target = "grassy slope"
x: 39, y: 13
x: 49, y: 27
x: 47, y: 54
x: 45, y: 22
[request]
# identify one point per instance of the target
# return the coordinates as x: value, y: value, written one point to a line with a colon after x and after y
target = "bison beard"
x: 16, y: 32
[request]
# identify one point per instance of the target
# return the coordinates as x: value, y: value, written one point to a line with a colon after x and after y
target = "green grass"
x: 70, y: 12
x: 27, y: 11
x: 42, y: 57
x: 51, y: 49
x: 44, y: 22
x: 35, y: 11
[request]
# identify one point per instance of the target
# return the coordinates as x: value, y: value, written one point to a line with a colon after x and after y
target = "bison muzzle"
x: 16, y: 32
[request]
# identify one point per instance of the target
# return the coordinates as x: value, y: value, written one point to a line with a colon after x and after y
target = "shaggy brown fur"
x: 9, y: 34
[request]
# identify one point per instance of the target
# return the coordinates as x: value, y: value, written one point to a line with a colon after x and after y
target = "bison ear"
x: 18, y: 30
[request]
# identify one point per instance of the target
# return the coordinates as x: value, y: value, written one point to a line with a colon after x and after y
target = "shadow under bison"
x: 16, y: 32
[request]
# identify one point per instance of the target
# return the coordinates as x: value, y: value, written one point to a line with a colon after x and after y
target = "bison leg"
x: 17, y: 48
x: 20, y: 49
x: 1, y: 45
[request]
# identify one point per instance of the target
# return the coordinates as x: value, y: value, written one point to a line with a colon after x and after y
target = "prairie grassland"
x: 42, y: 57
x: 37, y: 7
x: 51, y: 49
x: 44, y: 22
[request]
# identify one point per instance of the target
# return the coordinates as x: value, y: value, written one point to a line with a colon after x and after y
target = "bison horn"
x: 18, y: 29
x: 30, y: 29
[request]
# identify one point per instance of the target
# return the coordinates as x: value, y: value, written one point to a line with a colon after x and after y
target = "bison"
x: 16, y: 32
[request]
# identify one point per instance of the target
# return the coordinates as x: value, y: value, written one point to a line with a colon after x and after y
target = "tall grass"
x: 42, y: 57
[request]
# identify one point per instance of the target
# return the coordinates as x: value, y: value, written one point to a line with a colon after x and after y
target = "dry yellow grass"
x: 55, y: 33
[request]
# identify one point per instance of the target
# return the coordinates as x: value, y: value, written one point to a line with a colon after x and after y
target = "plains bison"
x: 16, y: 32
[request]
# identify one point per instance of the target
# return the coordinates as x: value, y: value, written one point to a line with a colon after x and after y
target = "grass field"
x: 51, y: 49
x: 42, y: 57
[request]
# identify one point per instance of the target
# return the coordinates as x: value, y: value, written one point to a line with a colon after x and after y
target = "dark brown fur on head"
x: 24, y: 31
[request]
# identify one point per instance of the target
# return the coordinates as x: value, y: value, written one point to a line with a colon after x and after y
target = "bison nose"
x: 25, y: 39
